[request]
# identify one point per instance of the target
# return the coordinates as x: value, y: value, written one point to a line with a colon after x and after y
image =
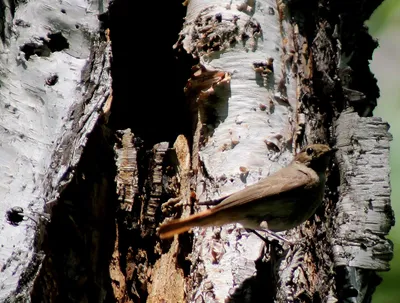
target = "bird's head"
x: 315, y: 156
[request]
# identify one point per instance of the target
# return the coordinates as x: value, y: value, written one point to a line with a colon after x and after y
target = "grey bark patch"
x: 364, y: 215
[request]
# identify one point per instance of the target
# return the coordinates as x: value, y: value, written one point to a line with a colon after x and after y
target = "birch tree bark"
x: 55, y: 80
x: 246, y: 84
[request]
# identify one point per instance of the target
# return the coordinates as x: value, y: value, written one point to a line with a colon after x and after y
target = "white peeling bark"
x: 42, y: 60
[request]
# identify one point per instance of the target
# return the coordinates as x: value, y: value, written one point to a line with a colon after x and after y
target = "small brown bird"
x: 279, y: 202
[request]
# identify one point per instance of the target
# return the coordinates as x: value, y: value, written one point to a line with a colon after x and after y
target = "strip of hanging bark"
x: 364, y: 214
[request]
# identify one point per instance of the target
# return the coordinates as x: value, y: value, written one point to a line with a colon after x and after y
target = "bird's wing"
x: 281, y: 183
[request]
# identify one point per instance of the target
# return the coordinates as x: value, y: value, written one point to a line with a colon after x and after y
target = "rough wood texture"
x: 144, y: 179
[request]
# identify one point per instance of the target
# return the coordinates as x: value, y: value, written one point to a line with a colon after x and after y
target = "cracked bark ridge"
x: 312, y: 56
x: 79, y: 240
x: 364, y: 215
x: 331, y: 48
x: 340, y: 78
x: 304, y: 272
x: 341, y: 49
x: 6, y: 15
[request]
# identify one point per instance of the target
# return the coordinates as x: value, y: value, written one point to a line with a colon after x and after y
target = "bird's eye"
x: 309, y: 151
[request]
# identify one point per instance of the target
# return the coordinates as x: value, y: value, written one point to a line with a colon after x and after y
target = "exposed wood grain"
x: 167, y: 274
x: 154, y: 184
x: 127, y: 170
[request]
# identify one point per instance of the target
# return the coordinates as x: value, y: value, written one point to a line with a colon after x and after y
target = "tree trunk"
x: 246, y: 84
x: 55, y: 82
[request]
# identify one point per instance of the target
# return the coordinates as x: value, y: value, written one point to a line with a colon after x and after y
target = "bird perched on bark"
x: 279, y: 202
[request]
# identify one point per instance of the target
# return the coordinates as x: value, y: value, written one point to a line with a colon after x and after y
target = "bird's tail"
x: 176, y: 227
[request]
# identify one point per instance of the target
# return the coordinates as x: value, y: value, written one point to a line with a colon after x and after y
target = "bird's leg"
x: 212, y: 202
x: 257, y: 234
x: 270, y: 234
